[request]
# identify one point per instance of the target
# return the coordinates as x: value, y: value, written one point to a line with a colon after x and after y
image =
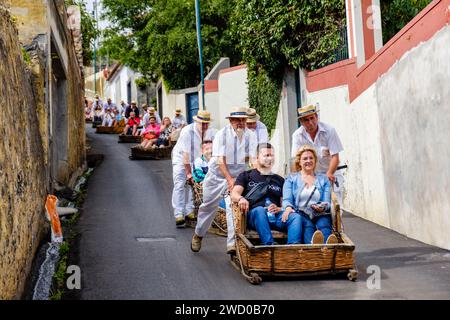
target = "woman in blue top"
x: 309, y: 194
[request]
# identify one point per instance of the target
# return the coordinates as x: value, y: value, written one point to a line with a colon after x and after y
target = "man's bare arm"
x: 236, y: 193
x: 333, y: 166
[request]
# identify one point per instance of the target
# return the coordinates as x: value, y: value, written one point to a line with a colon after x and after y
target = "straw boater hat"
x: 178, y: 110
x: 202, y: 116
x: 151, y: 109
x: 133, y: 102
x: 238, y: 112
x: 307, y: 110
x: 252, y: 115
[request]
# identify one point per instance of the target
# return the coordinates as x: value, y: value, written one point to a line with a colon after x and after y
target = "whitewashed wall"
x: 233, y: 92
x: 396, y: 140
x: 116, y: 88
x: 212, y: 105
x: 173, y: 99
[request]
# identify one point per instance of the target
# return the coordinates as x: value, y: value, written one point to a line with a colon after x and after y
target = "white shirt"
x: 99, y: 102
x: 190, y: 141
x: 235, y: 151
x: 177, y: 122
x: 146, y: 119
x: 261, y: 132
x: 158, y: 118
x: 108, y: 116
x: 109, y: 105
x: 306, y: 193
x: 122, y: 108
x: 326, y: 144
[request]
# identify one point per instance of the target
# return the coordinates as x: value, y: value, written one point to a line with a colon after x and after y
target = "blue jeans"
x: 322, y: 223
x: 257, y: 220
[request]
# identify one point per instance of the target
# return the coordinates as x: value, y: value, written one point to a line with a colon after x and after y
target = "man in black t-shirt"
x: 264, y: 213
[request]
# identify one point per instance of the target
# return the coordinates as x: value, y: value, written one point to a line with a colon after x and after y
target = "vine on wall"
x: 264, y: 94
x: 274, y: 34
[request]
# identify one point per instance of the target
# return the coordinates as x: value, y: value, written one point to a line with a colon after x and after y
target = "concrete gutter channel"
x: 41, y: 283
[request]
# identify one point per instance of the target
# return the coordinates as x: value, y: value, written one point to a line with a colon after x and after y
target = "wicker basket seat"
x: 255, y: 260
x: 139, y: 153
x: 219, y: 224
x: 109, y: 130
x: 129, y: 139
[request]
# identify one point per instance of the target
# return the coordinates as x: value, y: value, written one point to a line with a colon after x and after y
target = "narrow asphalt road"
x: 130, y: 201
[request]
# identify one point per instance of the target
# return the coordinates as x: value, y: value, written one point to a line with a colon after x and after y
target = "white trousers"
x: 182, y: 194
x: 214, y: 188
x: 107, y: 122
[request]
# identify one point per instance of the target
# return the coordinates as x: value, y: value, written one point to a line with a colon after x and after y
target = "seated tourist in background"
x: 98, y: 114
x: 145, y: 116
x: 132, y: 125
x: 108, y: 118
x: 166, y: 130
x: 88, y: 110
x: 152, y: 112
x: 118, y: 119
x: 151, y: 133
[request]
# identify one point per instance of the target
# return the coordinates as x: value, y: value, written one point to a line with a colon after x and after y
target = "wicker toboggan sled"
x: 129, y: 139
x: 219, y: 224
x: 96, y: 124
x: 255, y: 260
x: 110, y: 130
x: 139, y: 153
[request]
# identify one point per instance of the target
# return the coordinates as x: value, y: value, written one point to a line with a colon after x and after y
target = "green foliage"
x: 26, y: 56
x: 299, y: 33
x: 158, y: 37
x: 264, y: 95
x: 395, y: 14
x: 274, y: 34
x: 141, y: 83
x: 89, y: 30
x: 59, y: 277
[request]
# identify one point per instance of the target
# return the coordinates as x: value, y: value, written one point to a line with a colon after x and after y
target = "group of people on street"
x: 235, y: 165
x: 145, y: 122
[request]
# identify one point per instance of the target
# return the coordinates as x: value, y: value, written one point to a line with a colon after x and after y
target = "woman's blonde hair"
x: 170, y: 121
x: 298, y: 156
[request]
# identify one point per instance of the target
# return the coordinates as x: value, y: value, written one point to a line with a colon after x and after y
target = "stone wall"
x: 42, y: 139
x: 76, y: 153
x: 22, y: 169
x: 24, y: 11
x: 43, y: 31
